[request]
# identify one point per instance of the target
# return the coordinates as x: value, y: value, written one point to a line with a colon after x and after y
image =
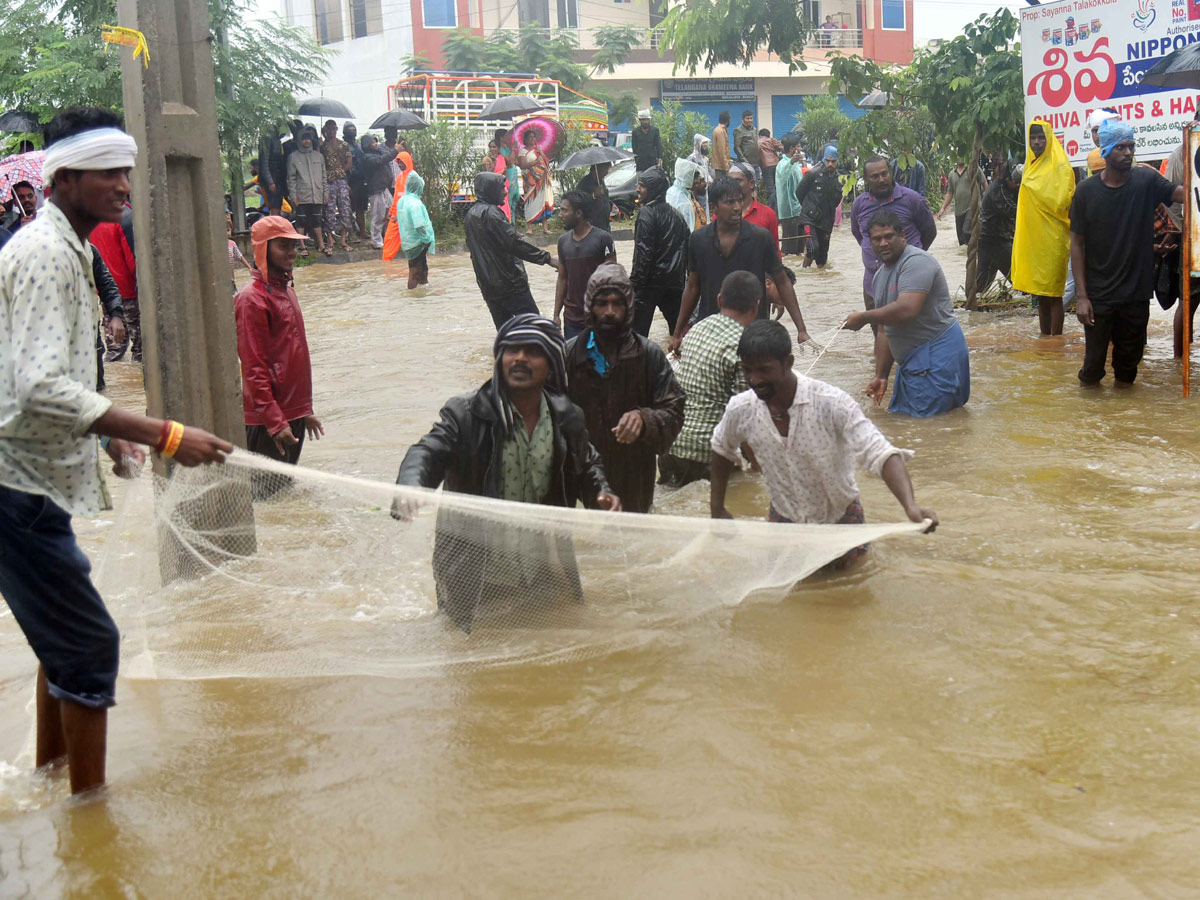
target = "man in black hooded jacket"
x: 660, y: 240
x: 517, y: 438
x: 497, y: 250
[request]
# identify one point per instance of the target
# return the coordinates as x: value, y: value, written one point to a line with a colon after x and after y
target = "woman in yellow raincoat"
x: 1042, y: 243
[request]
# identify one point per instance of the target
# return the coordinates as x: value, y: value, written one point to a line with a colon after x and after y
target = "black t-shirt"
x: 599, y: 208
x: 580, y: 259
x: 754, y: 251
x: 1117, y: 226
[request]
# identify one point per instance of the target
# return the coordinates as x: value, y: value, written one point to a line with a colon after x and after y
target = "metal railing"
x: 833, y: 38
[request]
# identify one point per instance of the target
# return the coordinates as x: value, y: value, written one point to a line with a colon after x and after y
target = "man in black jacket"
x: 496, y: 252
x: 660, y: 239
x: 357, y: 180
x: 378, y: 171
x: 626, y: 388
x: 517, y: 438
x: 998, y: 225
x: 819, y: 194
x: 272, y: 170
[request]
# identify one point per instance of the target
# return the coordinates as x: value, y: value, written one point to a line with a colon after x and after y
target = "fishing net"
x: 266, y: 570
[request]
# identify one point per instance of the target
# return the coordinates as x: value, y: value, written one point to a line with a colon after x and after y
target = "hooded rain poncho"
x: 679, y: 194
x: 1042, y: 243
x: 698, y: 157
x: 391, y: 237
x: 412, y: 218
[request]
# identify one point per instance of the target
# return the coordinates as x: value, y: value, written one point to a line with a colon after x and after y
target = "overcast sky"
x: 932, y: 18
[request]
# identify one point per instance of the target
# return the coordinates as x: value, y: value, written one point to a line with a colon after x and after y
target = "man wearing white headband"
x: 50, y: 418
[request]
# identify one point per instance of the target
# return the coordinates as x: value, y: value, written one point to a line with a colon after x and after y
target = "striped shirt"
x: 48, y: 398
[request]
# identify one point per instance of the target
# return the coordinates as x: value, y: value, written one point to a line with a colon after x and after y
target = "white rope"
x: 825, y: 347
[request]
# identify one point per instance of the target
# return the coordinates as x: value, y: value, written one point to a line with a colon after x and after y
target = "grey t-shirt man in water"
x: 920, y: 333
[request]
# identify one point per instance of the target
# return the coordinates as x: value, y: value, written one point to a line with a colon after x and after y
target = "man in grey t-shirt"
x: 920, y: 333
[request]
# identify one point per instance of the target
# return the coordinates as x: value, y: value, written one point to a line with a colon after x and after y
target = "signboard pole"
x: 1188, y: 265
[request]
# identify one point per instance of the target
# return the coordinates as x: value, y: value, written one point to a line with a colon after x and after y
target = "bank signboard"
x: 1080, y: 55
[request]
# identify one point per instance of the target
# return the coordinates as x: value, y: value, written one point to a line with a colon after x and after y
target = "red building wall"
x: 887, y: 45
x: 428, y: 41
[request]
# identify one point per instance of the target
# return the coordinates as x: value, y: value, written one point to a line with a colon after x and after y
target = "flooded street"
x: 1006, y: 708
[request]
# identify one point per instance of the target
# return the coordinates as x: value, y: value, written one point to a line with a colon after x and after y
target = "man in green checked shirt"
x: 710, y: 373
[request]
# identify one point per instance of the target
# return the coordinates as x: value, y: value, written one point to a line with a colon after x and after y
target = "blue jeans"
x: 570, y: 331
x: 46, y: 580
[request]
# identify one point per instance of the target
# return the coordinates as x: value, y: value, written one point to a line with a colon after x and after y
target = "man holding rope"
x: 50, y: 417
x: 920, y: 333
x: 806, y: 436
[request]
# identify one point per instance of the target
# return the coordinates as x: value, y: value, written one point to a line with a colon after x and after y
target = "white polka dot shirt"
x: 809, y: 473
x: 48, y: 398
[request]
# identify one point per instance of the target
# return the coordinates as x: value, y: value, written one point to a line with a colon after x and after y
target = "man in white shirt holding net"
x: 807, y: 437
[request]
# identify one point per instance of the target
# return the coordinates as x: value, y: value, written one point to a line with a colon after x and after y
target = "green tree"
x: 447, y: 158
x: 678, y: 128
x: 51, y: 56
x: 703, y: 33
x: 969, y: 91
x: 820, y: 121
x: 548, y: 53
x: 613, y: 45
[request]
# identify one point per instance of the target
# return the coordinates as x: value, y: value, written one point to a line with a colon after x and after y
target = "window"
x: 893, y: 15
x: 366, y: 17
x: 568, y: 13
x: 529, y: 11
x: 439, y: 13
x: 327, y: 19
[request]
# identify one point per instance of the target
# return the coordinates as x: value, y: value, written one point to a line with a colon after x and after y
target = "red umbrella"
x: 21, y: 167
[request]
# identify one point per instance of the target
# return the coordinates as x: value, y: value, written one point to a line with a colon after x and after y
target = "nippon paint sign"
x: 1080, y: 55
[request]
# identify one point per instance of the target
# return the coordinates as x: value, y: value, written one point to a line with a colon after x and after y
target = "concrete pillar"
x: 189, y: 338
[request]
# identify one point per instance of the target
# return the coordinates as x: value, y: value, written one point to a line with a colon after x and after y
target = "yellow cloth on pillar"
x: 1042, y: 243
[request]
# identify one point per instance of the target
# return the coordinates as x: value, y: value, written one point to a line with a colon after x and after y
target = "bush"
x: 577, y: 138
x: 677, y: 129
x: 819, y: 122
x: 447, y: 157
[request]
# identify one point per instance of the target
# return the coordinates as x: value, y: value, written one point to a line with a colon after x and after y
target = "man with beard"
x: 920, y: 333
x: 819, y: 195
x: 1112, y: 255
x: 625, y: 386
x: 516, y: 438
x: 497, y: 250
x: 911, y: 208
x: 660, y: 238
x: 806, y: 436
x: 997, y: 224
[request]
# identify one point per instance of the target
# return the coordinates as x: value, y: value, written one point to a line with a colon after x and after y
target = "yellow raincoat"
x: 1042, y: 243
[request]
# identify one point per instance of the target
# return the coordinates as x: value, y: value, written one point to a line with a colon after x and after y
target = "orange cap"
x: 266, y: 229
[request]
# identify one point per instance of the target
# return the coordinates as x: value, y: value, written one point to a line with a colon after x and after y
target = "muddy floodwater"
x: 1006, y: 708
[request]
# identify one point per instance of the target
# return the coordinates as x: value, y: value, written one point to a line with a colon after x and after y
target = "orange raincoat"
x: 391, y: 238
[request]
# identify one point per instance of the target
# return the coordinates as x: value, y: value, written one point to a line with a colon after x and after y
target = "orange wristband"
x: 173, y: 440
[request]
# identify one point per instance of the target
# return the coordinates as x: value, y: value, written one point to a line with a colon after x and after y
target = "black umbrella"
x: 511, y: 106
x: 20, y: 121
x: 1180, y: 69
x: 592, y: 156
x: 401, y: 119
x: 325, y: 108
